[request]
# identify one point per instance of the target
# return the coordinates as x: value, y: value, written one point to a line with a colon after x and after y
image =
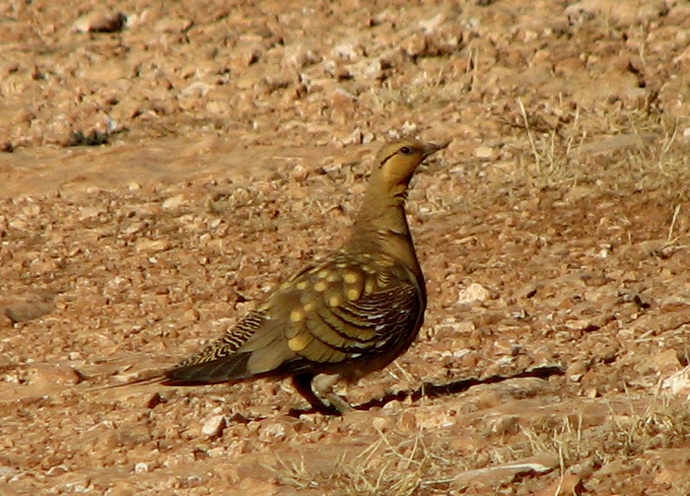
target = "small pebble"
x: 100, y: 22
x: 213, y: 426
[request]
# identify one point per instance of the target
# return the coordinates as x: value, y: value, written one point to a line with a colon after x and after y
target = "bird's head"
x: 383, y: 207
x: 398, y: 160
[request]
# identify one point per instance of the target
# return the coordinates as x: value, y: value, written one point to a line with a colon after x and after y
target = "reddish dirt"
x: 163, y: 168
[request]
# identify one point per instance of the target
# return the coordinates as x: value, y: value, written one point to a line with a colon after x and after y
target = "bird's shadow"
x: 430, y: 390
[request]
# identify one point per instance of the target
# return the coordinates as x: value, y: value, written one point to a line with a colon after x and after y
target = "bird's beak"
x: 431, y: 148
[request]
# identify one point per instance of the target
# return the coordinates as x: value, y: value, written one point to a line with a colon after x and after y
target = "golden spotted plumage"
x: 341, y: 318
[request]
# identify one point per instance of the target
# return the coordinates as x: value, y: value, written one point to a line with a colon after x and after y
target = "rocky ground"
x: 164, y: 164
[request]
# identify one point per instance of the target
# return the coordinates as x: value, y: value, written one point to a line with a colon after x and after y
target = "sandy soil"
x: 165, y: 163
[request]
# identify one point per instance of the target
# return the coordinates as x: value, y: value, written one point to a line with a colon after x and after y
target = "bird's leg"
x: 323, y: 384
x: 316, y: 389
x: 303, y: 384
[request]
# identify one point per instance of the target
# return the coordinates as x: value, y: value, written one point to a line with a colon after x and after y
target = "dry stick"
x: 537, y: 157
x: 676, y: 211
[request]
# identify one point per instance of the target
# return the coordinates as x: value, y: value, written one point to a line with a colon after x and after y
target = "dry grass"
x: 294, y: 474
x: 640, y: 148
x: 623, y: 437
x: 552, y: 149
x: 410, y: 466
x: 387, y: 467
x: 384, y: 469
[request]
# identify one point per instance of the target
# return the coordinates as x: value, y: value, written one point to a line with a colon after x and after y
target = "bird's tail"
x: 209, y: 372
x: 152, y: 377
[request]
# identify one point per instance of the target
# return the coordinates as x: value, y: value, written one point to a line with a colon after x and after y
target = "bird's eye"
x: 406, y: 150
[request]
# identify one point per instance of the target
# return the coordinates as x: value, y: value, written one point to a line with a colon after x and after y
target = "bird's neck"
x: 381, y: 226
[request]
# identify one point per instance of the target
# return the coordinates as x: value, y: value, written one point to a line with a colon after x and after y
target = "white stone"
x: 472, y: 293
x: 213, y: 426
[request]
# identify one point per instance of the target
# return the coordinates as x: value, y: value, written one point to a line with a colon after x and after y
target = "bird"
x: 339, y: 318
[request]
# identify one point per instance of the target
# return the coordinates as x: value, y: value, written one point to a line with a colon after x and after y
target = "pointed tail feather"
x: 226, y: 369
x: 150, y: 378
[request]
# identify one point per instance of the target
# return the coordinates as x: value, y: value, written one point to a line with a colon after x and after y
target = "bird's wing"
x: 327, y: 314
x: 375, y: 320
x: 334, y: 314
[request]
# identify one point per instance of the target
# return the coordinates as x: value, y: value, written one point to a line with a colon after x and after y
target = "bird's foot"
x: 318, y: 391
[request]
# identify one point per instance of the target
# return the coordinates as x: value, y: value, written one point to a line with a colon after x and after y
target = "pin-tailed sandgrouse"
x: 345, y: 316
